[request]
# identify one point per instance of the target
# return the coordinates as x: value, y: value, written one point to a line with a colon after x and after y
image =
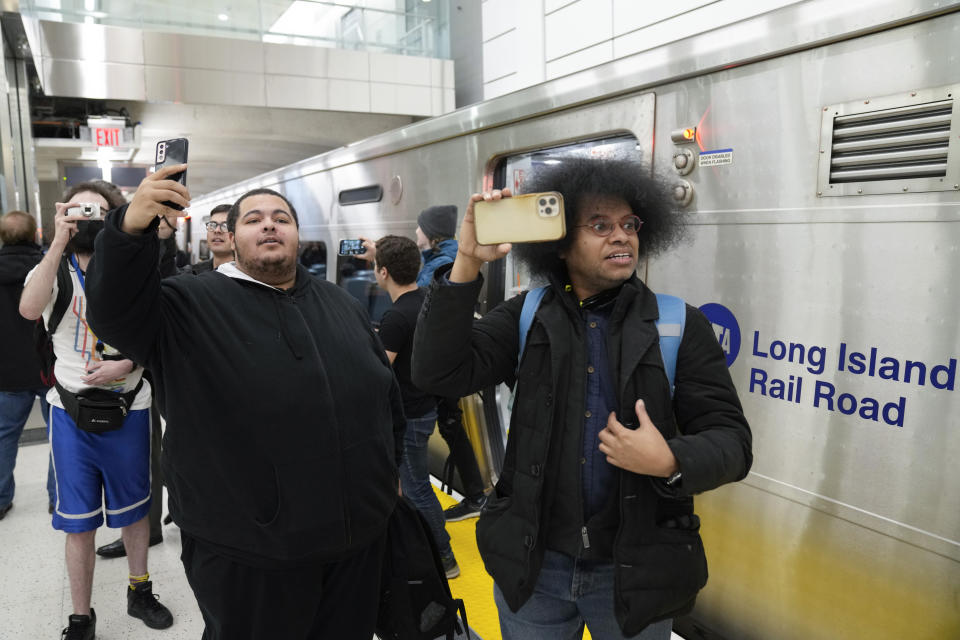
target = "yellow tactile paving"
x: 473, y: 584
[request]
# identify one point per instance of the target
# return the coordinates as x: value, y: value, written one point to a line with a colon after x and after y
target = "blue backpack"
x: 670, y: 325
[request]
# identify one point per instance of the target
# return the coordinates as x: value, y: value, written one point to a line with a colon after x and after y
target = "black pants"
x: 450, y: 425
x: 238, y: 602
x: 156, y: 476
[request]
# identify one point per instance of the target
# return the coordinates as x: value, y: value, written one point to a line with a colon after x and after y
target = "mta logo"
x: 726, y: 327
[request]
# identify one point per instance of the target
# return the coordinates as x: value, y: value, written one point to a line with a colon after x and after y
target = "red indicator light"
x: 689, y: 133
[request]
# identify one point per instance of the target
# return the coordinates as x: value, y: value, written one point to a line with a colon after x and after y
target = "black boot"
x: 80, y: 627
x: 143, y: 604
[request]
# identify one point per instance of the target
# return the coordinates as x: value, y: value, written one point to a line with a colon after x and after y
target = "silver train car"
x: 816, y: 151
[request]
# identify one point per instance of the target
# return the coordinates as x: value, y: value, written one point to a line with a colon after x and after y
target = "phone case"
x: 171, y: 152
x: 531, y: 217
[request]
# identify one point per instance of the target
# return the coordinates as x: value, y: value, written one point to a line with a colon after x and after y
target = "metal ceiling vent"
x: 892, y: 144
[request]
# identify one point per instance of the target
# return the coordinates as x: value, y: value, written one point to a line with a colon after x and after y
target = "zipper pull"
x: 586, y: 538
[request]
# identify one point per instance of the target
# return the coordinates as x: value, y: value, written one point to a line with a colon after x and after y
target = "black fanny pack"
x: 97, y: 410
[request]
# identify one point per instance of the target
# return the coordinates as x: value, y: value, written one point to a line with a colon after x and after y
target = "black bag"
x: 98, y: 410
x: 415, y: 598
x: 43, y: 333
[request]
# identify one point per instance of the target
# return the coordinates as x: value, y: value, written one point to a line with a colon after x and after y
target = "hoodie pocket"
x: 310, y: 506
x: 267, y: 509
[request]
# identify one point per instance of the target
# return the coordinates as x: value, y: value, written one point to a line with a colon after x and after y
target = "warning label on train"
x: 716, y: 157
x: 822, y: 370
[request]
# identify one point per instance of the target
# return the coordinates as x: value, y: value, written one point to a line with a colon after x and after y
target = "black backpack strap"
x: 463, y: 616
x: 446, y: 477
x: 64, y: 295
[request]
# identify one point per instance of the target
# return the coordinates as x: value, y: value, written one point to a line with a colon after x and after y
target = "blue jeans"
x: 570, y: 593
x: 15, y: 407
x: 415, y: 478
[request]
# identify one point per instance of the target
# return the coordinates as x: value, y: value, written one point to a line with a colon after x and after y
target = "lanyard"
x: 73, y: 261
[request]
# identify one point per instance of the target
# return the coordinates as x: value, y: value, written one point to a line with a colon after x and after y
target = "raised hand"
x: 470, y: 254
x: 64, y: 226
x: 148, y: 200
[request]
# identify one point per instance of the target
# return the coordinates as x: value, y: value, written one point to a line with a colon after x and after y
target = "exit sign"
x: 107, y: 137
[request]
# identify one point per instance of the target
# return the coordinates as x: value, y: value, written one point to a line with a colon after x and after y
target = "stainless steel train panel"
x: 848, y: 526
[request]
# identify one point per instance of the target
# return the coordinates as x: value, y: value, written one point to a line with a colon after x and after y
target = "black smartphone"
x: 352, y: 247
x: 171, y: 152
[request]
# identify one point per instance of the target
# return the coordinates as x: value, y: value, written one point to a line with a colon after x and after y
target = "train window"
x: 313, y: 256
x: 361, y: 195
x: 356, y: 276
x: 512, y: 170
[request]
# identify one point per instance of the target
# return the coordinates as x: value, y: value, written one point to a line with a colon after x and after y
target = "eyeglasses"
x: 603, y: 227
x: 214, y: 226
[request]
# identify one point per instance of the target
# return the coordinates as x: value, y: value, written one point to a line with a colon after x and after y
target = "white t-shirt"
x: 75, y: 347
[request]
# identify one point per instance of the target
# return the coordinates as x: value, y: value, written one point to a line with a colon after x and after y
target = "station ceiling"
x: 229, y: 143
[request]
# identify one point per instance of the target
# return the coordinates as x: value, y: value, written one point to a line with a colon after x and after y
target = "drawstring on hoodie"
x: 285, y: 329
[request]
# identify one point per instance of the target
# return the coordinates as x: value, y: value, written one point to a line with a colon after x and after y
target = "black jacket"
x: 284, y: 422
x: 198, y: 267
x: 658, y: 556
x: 19, y: 365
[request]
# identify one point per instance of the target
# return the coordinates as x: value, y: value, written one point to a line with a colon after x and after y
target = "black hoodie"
x: 284, y: 422
x: 19, y: 365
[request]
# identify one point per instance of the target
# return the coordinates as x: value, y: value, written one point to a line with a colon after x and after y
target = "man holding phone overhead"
x: 606, y: 448
x: 283, y: 492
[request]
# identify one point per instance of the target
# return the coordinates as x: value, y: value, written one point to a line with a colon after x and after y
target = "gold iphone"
x: 531, y: 217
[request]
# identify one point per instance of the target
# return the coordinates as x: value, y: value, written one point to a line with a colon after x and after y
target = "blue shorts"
x: 96, y: 468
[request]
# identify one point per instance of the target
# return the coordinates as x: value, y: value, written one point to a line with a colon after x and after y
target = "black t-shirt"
x: 396, y: 334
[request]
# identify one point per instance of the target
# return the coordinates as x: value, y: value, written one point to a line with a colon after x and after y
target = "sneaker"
x: 467, y: 508
x: 143, y: 603
x: 450, y: 566
x: 80, y: 627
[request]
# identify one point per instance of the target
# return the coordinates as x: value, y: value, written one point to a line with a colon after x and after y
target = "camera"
x: 87, y: 209
x: 548, y: 206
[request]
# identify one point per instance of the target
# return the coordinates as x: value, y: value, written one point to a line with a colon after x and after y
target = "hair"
x: 578, y: 178
x: 18, y: 227
x: 223, y: 208
x: 108, y: 190
x: 400, y: 256
x: 235, y: 207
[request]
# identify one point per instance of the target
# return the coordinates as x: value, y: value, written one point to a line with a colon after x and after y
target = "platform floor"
x: 35, y: 593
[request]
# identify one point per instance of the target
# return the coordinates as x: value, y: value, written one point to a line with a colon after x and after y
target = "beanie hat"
x: 439, y: 221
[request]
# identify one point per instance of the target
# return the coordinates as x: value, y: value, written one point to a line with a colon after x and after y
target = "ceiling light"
x: 223, y: 17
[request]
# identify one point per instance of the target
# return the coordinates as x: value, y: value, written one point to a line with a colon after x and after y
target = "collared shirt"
x: 597, y: 474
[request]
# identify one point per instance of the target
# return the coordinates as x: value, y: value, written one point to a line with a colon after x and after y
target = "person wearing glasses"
x: 218, y: 242
x: 591, y: 522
